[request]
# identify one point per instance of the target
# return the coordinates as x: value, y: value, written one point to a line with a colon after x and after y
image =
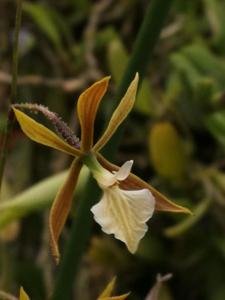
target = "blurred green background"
x: 175, y: 134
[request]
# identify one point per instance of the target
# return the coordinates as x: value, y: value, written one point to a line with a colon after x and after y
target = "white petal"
x: 124, y: 170
x: 124, y: 214
x: 104, y: 178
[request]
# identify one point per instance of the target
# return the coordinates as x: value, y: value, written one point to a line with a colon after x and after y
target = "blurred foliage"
x: 167, y: 152
x: 176, y: 135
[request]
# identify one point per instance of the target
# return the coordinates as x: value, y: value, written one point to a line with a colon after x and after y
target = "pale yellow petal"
x: 23, y: 294
x: 124, y: 170
x: 124, y: 214
x: 42, y: 135
x: 87, y: 107
x: 121, y: 112
x: 61, y: 207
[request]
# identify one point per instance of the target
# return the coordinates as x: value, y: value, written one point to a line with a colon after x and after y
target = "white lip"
x: 124, y: 214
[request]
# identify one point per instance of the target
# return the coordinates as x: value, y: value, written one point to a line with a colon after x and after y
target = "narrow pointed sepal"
x: 87, y: 107
x: 108, y: 289
x: 120, y: 114
x: 162, y: 203
x: 124, y: 214
x: 107, y: 292
x: 23, y: 294
x: 61, y: 207
x: 42, y: 135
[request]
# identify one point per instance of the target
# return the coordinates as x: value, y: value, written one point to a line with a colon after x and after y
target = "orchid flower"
x: 127, y: 202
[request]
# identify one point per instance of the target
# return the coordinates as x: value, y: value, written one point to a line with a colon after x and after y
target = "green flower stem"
x: 91, y: 162
x: 81, y: 228
x: 12, y: 97
x: 78, y: 242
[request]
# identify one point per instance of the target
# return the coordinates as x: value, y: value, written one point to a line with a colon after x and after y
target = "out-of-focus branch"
x: 68, y: 85
x: 172, y: 28
x: 89, y: 37
x: 71, y: 84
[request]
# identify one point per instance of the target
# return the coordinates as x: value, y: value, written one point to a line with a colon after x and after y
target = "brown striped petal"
x: 61, y: 207
x: 121, y: 112
x: 87, y: 107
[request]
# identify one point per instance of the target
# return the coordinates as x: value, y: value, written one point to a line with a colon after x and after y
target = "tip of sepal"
x: 104, y: 79
x: 23, y: 295
x: 181, y: 209
x: 57, y: 260
x: 87, y: 107
x: 107, y: 292
x: 107, y: 78
x: 188, y: 211
x: 108, y: 289
x: 54, y: 247
x: 55, y: 252
x: 136, y: 77
x: 135, y: 81
x: 13, y: 107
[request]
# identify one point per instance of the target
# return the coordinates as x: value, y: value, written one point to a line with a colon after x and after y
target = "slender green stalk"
x: 79, y: 237
x: 81, y: 228
x: 12, y: 97
x: 140, y: 58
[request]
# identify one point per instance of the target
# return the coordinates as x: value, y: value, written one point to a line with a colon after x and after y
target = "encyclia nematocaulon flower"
x: 127, y: 202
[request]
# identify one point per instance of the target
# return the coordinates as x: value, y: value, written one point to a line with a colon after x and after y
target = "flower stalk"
x: 91, y: 162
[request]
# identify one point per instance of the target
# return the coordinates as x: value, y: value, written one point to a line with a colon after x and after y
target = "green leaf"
x: 183, y: 65
x: 117, y: 59
x: 206, y: 63
x: 167, y: 152
x: 43, y: 18
x: 215, y: 13
x: 36, y: 198
x: 144, y: 103
x: 215, y: 123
